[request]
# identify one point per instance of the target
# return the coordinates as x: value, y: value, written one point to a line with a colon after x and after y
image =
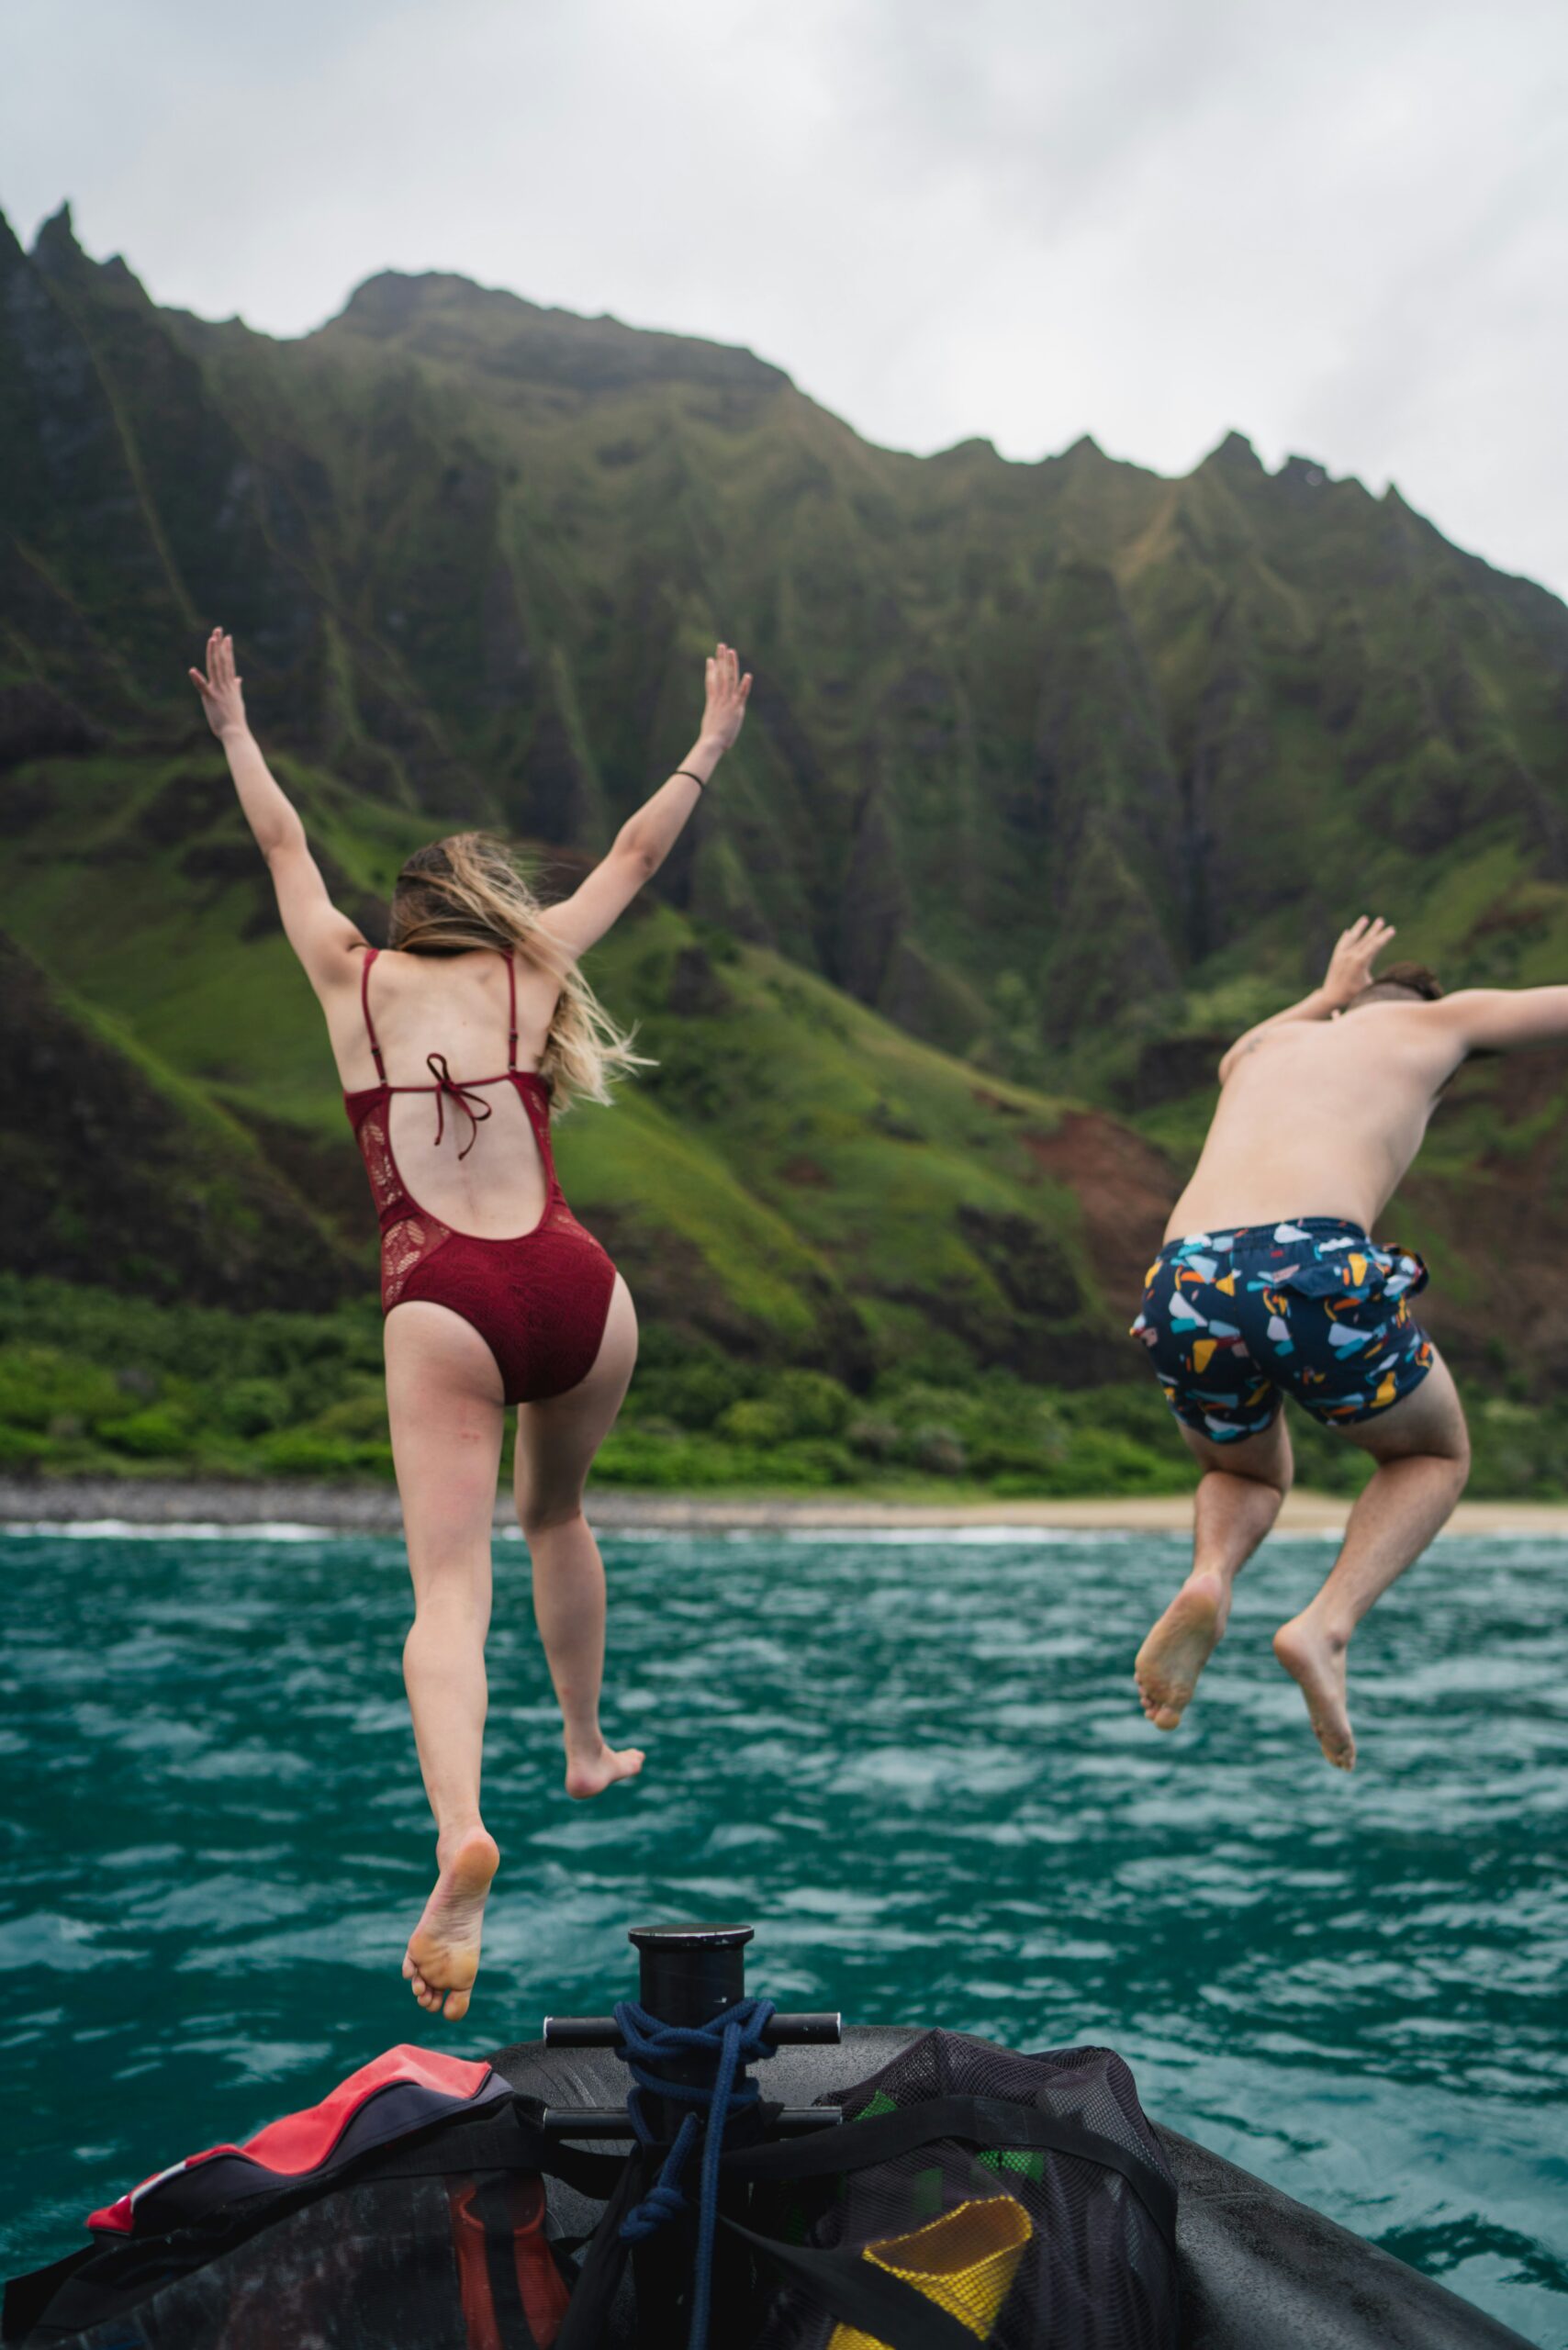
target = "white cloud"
x: 1344, y: 230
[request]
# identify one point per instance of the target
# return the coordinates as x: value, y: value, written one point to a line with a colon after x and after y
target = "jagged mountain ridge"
x: 1017, y: 726
x: 1065, y: 767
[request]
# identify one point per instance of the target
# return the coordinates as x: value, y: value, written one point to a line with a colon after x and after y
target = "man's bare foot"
x: 1317, y: 1663
x: 589, y: 1774
x: 1180, y: 1644
x: 442, y: 1957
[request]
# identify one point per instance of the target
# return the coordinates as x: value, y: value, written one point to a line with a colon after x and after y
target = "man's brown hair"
x: 1401, y: 979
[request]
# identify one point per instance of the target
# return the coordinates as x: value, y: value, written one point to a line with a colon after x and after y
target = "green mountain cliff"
x: 1056, y: 774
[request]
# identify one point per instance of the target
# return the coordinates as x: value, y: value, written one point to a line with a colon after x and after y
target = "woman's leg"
x: 555, y: 1445
x: 444, y: 1397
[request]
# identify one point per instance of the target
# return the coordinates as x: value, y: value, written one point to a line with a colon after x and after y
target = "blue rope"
x: 732, y: 2039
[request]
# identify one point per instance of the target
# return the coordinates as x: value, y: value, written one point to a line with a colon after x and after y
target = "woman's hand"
x: 645, y: 839
x: 324, y: 940
x: 219, y: 687
x: 727, y: 695
x: 1350, y: 964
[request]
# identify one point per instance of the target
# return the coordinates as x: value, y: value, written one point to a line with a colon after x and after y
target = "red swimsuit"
x: 539, y: 1301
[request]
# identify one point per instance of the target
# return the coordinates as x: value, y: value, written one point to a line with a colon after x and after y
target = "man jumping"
x: 1268, y: 1283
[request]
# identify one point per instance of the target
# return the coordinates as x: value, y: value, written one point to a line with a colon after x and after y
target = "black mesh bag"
x: 439, y: 2240
x: 455, y: 2263
x: 1026, y: 2199
x: 970, y: 2195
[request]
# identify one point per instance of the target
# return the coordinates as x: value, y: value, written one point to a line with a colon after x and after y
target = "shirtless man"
x: 1268, y: 1285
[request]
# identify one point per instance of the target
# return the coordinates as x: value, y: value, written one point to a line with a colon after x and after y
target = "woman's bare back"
x: 484, y: 1175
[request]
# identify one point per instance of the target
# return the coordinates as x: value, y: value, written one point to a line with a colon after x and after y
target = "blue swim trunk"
x: 1312, y: 1309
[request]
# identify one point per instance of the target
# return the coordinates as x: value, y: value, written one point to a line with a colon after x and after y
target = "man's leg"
x: 1422, y: 1449
x: 1238, y: 1501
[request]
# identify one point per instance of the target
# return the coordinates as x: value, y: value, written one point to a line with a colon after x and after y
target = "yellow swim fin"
x: 965, y: 2262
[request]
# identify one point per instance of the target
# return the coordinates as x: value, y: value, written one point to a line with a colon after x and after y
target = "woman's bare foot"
x: 590, y: 1773
x: 1317, y: 1661
x: 1180, y: 1644
x: 442, y: 1957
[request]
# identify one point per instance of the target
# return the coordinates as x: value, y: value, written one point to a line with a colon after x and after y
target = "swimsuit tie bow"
x: 474, y: 1106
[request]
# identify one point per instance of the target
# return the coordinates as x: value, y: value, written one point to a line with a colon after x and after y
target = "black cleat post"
x: 687, y: 1975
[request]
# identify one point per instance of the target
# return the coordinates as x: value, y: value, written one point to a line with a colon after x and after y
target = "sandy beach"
x: 372, y: 1509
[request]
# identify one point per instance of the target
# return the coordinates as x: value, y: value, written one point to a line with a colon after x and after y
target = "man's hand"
x: 219, y: 687
x: 727, y: 695
x: 1349, y: 971
x: 1350, y: 964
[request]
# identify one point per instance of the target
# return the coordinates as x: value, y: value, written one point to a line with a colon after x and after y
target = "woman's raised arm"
x: 318, y: 933
x: 644, y: 839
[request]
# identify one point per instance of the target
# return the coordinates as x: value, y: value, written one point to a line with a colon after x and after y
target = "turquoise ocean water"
x: 915, y: 1762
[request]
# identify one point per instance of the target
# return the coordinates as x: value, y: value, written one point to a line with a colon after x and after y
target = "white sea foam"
x: 907, y: 1538
x: 127, y: 1529
x: 965, y: 1538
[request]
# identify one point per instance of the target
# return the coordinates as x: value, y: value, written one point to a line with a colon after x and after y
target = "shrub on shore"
x: 93, y: 1383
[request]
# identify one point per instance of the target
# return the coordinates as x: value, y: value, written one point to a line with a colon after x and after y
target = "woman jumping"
x: 493, y: 1294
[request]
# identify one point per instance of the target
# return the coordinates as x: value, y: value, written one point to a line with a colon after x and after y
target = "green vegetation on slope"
x: 93, y: 1383
x: 794, y: 1178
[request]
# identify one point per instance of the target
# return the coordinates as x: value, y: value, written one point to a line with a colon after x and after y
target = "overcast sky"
x: 1341, y: 229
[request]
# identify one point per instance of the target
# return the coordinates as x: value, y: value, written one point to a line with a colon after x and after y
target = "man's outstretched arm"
x: 1504, y: 1020
x: 1349, y: 971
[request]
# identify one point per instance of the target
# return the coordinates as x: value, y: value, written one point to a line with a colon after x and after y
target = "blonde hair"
x: 466, y: 892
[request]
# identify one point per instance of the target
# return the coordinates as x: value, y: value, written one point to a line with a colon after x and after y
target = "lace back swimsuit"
x: 540, y: 1300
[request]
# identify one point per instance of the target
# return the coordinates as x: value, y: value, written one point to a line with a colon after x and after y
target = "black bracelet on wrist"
x: 700, y: 781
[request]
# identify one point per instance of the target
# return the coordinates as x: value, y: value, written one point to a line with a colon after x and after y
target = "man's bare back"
x: 1322, y: 1109
x: 1320, y: 1117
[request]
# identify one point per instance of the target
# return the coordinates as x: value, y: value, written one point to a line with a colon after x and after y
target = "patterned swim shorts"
x: 1313, y: 1307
